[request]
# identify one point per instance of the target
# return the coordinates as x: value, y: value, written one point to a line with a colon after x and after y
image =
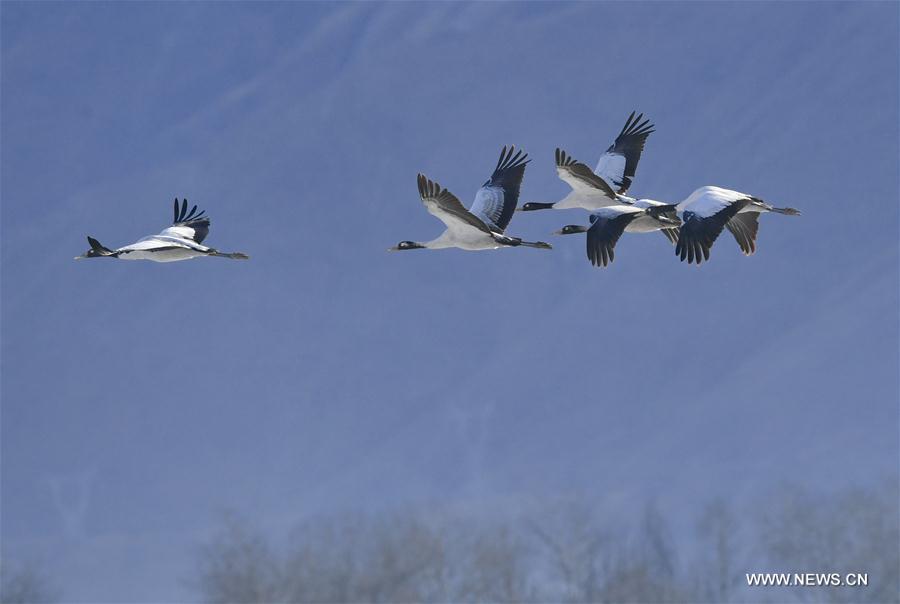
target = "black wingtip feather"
x: 508, y: 160
x: 635, y: 127
x: 420, y: 182
x: 507, y: 175
x: 428, y: 189
x: 501, y: 159
x: 194, y: 219
x: 563, y: 159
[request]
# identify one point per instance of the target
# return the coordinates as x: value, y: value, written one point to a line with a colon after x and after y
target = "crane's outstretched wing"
x: 698, y: 233
x: 667, y: 211
x: 495, y: 202
x: 580, y: 178
x: 671, y: 235
x: 603, y: 235
x: 744, y: 227
x: 445, y: 206
x: 618, y: 165
x: 191, y: 225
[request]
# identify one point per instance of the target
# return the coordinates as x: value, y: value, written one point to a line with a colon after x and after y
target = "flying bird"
x: 708, y: 210
x: 613, y: 213
x: 619, y: 163
x: 181, y: 241
x: 608, y: 183
x: 482, y: 226
x: 608, y: 224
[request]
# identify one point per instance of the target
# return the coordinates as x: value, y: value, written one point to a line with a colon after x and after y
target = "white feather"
x: 708, y: 201
x: 611, y: 168
x: 488, y: 203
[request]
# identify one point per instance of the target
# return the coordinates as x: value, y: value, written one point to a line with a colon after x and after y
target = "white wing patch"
x: 454, y: 223
x: 611, y: 212
x: 580, y: 186
x: 488, y: 206
x: 151, y: 243
x: 611, y: 168
x: 184, y: 232
x: 162, y: 240
x: 709, y: 201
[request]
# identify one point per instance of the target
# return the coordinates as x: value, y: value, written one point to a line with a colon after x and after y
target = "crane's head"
x: 571, y: 229
x: 535, y: 205
x: 406, y: 245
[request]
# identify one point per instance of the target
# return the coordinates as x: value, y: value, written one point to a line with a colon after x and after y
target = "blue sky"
x: 139, y: 400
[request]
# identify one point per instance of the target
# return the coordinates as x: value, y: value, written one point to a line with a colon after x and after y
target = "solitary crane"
x: 181, y: 241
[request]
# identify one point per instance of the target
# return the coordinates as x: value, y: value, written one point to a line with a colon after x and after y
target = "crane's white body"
x: 162, y: 248
x: 181, y: 241
x: 464, y: 237
x: 710, y: 200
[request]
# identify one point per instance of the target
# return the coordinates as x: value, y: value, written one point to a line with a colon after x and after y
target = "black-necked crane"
x: 181, y: 241
x: 482, y: 226
x: 608, y: 183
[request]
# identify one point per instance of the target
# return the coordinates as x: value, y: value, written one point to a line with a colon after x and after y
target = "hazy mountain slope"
x: 328, y: 373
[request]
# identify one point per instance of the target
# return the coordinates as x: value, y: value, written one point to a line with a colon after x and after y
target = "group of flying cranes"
x: 692, y: 225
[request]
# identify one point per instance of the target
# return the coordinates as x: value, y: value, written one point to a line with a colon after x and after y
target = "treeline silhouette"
x: 25, y: 583
x: 565, y: 551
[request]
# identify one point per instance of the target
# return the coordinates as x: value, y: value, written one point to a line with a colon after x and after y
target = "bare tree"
x: 717, y: 530
x: 238, y: 566
x: 405, y: 561
x: 850, y: 531
x: 571, y: 542
x: 398, y: 557
x: 646, y: 570
x: 564, y: 551
x: 24, y: 584
x: 492, y: 567
x: 324, y: 563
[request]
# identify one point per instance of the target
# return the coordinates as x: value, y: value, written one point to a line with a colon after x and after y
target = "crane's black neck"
x: 536, y: 205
